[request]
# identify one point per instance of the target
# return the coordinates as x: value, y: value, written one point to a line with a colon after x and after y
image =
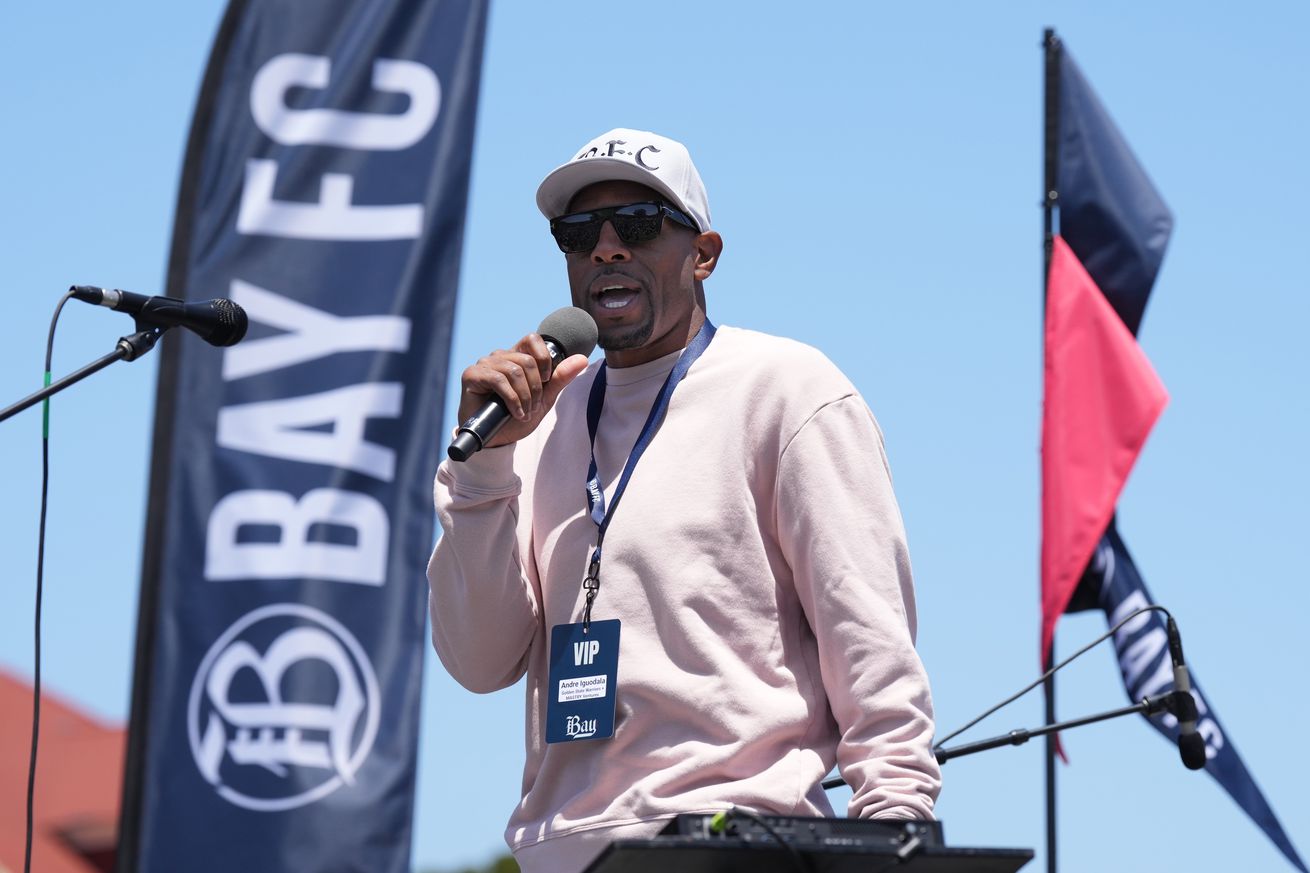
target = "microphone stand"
x: 1168, y: 702
x: 1147, y: 706
x: 129, y: 348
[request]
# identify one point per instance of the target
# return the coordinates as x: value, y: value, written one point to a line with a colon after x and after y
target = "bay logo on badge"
x: 579, y: 728
x: 283, y: 710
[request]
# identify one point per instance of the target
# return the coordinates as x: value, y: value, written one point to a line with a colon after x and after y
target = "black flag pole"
x: 1050, y: 197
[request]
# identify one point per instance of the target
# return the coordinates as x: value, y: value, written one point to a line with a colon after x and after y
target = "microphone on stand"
x: 1191, y: 745
x: 568, y: 331
x: 219, y: 322
x: 1179, y: 702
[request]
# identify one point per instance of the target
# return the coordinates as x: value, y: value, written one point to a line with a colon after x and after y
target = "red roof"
x: 78, y: 778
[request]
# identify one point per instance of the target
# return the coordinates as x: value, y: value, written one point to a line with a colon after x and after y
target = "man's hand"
x: 521, y: 377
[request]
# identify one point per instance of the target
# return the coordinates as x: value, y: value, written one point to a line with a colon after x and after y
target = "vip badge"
x: 584, y: 668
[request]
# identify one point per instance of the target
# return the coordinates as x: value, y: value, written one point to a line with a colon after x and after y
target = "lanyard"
x: 595, y: 496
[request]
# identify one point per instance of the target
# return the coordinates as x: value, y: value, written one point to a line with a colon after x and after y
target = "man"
x: 756, y: 565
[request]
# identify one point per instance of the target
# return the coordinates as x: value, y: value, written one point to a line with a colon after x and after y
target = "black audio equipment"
x: 807, y: 832
x: 742, y: 841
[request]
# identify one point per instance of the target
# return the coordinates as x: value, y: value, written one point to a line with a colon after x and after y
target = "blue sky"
x: 874, y: 169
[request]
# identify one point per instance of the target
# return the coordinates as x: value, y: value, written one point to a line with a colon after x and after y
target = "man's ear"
x: 709, y: 245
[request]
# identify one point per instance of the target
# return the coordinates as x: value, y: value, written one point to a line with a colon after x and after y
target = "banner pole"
x: 127, y: 855
x: 1050, y: 197
x: 1051, y: 153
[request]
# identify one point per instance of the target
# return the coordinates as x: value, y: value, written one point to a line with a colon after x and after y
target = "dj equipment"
x: 743, y: 842
x: 808, y: 832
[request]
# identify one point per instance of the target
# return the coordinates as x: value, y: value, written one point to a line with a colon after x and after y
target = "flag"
x: 1101, y: 396
x: 1101, y: 400
x: 1113, y: 583
x: 281, y: 635
x: 1110, y: 214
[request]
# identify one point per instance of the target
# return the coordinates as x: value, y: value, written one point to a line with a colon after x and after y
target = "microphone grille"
x: 572, y: 329
x: 232, y: 323
x: 1191, y: 747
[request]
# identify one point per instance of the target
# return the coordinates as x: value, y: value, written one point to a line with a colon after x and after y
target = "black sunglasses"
x: 634, y: 223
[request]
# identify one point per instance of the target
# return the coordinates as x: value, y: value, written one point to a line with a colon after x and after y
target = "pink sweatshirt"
x: 758, y: 564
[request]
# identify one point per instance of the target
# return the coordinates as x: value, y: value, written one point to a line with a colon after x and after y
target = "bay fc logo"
x: 578, y: 728
x: 283, y: 710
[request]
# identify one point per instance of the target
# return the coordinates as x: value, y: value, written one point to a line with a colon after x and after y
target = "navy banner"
x: 281, y: 634
x: 1147, y: 669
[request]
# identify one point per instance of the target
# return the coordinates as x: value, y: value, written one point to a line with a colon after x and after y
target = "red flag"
x: 1102, y: 398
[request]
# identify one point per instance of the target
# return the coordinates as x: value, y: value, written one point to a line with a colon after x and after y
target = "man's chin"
x: 623, y: 338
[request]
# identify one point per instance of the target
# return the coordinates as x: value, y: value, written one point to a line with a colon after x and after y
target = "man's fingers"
x: 534, y: 345
x: 525, y: 380
x: 515, y: 377
x: 568, y: 370
x: 534, y: 358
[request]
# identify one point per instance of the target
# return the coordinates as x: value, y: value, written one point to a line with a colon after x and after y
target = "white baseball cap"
x: 633, y: 156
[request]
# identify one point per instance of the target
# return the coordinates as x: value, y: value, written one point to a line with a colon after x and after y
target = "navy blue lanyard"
x: 595, y: 496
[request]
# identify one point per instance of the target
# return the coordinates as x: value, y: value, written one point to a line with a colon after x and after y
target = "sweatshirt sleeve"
x: 483, y: 596
x: 842, y: 533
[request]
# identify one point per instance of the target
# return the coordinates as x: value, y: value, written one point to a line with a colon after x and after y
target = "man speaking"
x: 691, y: 549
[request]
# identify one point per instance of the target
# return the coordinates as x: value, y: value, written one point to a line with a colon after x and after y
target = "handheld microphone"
x: 1191, y: 745
x: 567, y: 332
x: 218, y: 322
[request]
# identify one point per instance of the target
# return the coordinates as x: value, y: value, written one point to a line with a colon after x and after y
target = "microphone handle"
x: 1191, y: 745
x: 484, y: 424
x: 158, y: 311
x: 479, y: 428
x: 112, y: 298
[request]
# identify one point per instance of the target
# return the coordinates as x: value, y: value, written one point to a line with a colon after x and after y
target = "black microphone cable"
x: 40, y: 577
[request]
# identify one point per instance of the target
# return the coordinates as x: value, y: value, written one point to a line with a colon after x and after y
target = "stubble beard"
x: 629, y: 337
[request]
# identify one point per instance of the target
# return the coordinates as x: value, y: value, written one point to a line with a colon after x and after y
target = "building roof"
x: 78, y: 779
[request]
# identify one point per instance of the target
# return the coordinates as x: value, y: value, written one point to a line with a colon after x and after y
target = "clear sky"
x: 875, y: 170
